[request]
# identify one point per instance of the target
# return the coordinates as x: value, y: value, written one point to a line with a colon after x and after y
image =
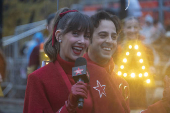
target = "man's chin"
x: 106, y: 57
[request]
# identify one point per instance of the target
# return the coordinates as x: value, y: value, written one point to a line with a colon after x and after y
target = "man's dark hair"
x: 102, y: 15
x: 50, y: 17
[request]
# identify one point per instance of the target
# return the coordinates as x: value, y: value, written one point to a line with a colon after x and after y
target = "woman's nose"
x: 81, y: 39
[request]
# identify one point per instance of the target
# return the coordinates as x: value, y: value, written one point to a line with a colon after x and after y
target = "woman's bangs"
x: 81, y: 23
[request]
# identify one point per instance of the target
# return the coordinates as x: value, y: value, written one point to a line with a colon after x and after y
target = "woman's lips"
x: 77, y: 50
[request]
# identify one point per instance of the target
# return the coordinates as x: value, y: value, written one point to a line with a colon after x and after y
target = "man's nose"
x: 109, y: 39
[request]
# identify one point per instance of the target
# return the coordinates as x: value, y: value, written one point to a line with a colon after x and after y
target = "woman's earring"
x: 59, y: 40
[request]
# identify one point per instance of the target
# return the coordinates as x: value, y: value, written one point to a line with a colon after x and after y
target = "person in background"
x: 37, y: 39
x: 2, y: 66
x: 146, y: 29
x: 135, y: 72
x: 158, y: 31
x: 2, y: 70
x: 38, y: 55
x: 51, y: 88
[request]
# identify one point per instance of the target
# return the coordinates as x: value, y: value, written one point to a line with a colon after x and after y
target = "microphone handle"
x: 80, y: 100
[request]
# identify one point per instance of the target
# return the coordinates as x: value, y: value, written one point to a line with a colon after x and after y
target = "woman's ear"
x: 57, y: 35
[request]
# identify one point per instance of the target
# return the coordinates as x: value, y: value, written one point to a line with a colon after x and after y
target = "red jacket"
x: 46, y: 90
x: 49, y: 87
x: 120, y: 94
x: 110, y: 97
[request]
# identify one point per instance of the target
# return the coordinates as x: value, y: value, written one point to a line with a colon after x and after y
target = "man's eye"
x: 103, y: 35
x: 114, y: 37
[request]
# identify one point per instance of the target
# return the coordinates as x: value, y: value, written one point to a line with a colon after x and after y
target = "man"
x: 38, y: 55
x: 112, y: 93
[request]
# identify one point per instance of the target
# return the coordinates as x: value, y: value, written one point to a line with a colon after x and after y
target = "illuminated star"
x: 100, y: 88
x: 78, y: 71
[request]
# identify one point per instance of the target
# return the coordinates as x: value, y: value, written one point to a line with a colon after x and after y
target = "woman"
x: 134, y: 62
x: 51, y: 88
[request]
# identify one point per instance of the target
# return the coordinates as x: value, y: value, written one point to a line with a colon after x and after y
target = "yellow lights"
x: 143, y: 67
x: 127, y: 53
x: 46, y: 63
x: 140, y: 75
x: 122, y: 66
x: 141, y: 60
x: 125, y: 74
x: 119, y: 73
x: 46, y: 55
x: 145, y: 74
x: 130, y: 46
x: 148, y: 81
x: 133, y: 75
x: 136, y: 46
x: 124, y: 60
x: 138, y: 53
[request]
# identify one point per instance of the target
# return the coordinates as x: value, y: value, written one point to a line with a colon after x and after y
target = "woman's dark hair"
x: 71, y: 21
x: 102, y: 15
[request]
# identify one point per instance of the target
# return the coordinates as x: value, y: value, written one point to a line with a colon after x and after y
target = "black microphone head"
x: 79, y: 72
x: 80, y: 61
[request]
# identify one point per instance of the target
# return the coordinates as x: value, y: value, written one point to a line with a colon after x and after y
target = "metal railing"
x: 14, y: 84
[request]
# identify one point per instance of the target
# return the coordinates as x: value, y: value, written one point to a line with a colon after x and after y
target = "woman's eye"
x: 87, y: 36
x: 75, y: 33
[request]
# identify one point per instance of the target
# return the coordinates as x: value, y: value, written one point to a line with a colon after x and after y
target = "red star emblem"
x: 78, y: 71
x: 100, y: 88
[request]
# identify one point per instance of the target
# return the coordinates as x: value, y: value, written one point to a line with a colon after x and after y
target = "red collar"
x: 109, y: 66
x: 67, y: 66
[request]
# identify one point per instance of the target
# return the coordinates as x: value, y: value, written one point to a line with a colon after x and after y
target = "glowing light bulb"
x: 143, y: 67
x: 130, y: 46
x: 119, y: 73
x: 124, y: 60
x: 46, y: 55
x: 125, y: 74
x: 136, y: 46
x: 140, y: 74
x: 127, y: 53
x: 122, y: 66
x: 145, y: 74
x: 132, y: 75
x: 138, y: 53
x: 148, y: 81
x: 141, y: 60
x: 46, y: 63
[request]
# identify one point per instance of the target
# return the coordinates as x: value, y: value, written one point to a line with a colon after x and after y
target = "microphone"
x: 79, y: 73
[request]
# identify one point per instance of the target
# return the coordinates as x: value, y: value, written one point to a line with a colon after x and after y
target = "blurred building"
x: 158, y: 9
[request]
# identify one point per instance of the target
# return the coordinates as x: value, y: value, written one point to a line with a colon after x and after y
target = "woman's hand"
x: 77, y: 90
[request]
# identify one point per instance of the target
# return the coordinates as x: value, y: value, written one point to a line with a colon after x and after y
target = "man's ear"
x: 57, y: 35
